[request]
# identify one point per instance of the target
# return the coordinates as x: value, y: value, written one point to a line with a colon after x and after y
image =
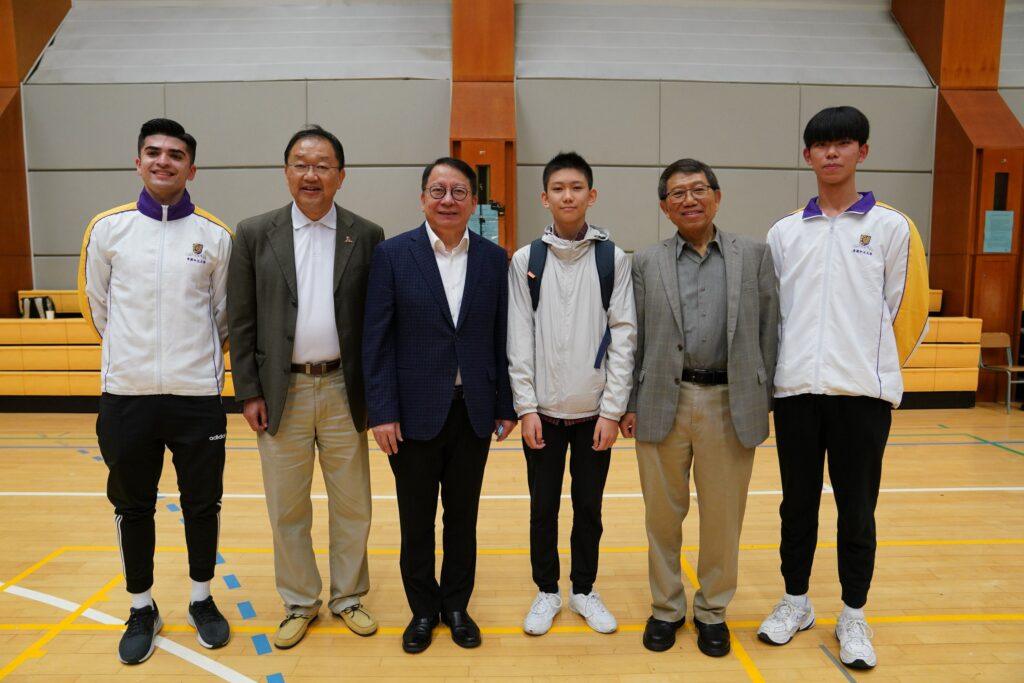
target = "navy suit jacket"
x: 412, y: 347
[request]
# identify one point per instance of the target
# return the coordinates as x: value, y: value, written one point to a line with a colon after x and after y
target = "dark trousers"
x: 133, y: 432
x: 852, y: 431
x: 588, y: 470
x: 453, y: 461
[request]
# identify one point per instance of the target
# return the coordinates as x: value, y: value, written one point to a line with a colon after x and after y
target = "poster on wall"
x: 998, y: 232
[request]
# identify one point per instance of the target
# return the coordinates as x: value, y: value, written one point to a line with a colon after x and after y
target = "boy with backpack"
x: 571, y: 339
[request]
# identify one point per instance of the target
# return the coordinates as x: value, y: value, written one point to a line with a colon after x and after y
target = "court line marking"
x: 35, y: 651
x: 837, y: 663
x: 513, y: 496
x: 196, y: 659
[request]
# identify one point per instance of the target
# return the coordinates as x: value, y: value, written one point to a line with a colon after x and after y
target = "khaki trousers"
x: 317, y: 419
x: 703, y: 436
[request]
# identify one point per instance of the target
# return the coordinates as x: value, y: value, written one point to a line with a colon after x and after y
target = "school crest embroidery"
x: 197, y: 247
x: 865, y: 240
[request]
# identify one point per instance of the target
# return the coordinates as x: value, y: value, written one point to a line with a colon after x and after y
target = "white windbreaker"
x: 551, y: 351
x: 152, y: 281
x: 853, y: 299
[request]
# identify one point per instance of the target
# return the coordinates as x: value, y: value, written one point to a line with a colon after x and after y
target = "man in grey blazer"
x: 296, y: 293
x: 707, y: 338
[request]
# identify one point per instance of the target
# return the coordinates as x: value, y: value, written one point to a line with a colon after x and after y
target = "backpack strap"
x: 604, y: 257
x: 535, y: 269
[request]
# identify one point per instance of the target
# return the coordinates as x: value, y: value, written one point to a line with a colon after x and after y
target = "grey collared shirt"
x: 702, y: 298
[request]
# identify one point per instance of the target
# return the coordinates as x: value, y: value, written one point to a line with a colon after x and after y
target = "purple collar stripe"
x: 150, y: 207
x: 861, y: 206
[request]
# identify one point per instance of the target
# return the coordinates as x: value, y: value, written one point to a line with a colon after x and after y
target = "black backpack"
x: 604, y: 258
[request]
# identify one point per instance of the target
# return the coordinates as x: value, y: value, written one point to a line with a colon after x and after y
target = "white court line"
x: 514, y: 496
x: 190, y: 656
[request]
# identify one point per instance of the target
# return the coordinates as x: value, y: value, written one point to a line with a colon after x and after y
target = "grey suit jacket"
x: 752, y: 329
x: 263, y: 302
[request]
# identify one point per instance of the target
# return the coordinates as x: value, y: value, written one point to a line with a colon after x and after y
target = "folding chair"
x: 1000, y: 340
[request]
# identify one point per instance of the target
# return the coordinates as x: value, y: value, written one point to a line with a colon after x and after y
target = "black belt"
x: 318, y: 368
x: 706, y: 376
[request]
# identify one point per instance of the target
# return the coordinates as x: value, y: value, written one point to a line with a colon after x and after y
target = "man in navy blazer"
x: 436, y: 386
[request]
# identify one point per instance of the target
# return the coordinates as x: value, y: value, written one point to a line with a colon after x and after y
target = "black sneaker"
x: 137, y: 643
x: 212, y: 628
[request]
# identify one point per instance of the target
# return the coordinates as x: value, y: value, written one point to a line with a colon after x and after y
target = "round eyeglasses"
x: 459, y: 192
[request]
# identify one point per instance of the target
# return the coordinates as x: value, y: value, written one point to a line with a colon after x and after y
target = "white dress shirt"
x: 452, y: 265
x: 316, y: 331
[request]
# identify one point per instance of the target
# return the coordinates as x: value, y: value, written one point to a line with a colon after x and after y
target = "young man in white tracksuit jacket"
x: 152, y: 281
x: 563, y: 400
x: 853, y: 297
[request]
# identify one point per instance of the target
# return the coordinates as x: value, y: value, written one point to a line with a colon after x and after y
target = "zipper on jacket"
x: 824, y: 304
x: 159, y: 312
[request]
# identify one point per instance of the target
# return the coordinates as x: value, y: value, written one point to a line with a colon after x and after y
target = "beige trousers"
x: 316, y: 419
x: 702, y: 436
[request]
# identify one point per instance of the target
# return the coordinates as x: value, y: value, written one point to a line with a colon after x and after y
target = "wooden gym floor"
x: 947, y: 602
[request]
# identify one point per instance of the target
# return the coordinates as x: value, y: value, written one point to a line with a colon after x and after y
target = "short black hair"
x: 685, y: 166
x: 315, y: 131
x: 458, y: 164
x: 570, y: 160
x: 171, y: 129
x: 837, y: 123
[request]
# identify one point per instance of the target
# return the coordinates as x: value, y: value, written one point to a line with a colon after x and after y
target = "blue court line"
x: 231, y: 581
x: 839, y: 665
x: 97, y: 458
x: 173, y: 508
x: 83, y: 450
x: 275, y: 678
x: 220, y: 559
x: 262, y: 644
x: 181, y: 519
x: 246, y: 610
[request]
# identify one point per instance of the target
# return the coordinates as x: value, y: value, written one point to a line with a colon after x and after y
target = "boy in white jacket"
x: 853, y: 296
x: 570, y: 364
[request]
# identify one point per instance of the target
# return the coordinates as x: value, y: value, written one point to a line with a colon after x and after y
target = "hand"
x: 502, y: 428
x: 388, y: 436
x: 254, y: 410
x: 627, y: 425
x: 532, y: 431
x: 605, y: 432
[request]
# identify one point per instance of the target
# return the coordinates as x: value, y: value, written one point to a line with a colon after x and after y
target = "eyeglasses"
x: 699, y: 193
x: 303, y: 169
x: 458, y: 192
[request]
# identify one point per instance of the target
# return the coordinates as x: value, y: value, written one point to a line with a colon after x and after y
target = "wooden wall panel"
x: 483, y: 40
x: 15, y: 247
x: 26, y: 26
x: 953, y: 185
x: 959, y: 41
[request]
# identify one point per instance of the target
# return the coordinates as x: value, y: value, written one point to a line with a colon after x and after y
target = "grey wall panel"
x: 627, y: 205
x: 1015, y: 99
x: 55, y: 272
x: 902, y: 123
x: 752, y: 200
x: 239, y: 124
x: 390, y: 197
x: 729, y: 124
x: 911, y: 193
x: 384, y: 122
x: 87, y: 126
x: 608, y: 122
x: 63, y: 202
x: 232, y: 194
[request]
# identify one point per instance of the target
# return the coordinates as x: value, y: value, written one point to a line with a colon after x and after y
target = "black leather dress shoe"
x: 712, y: 639
x: 661, y: 635
x: 465, y: 632
x: 418, y: 634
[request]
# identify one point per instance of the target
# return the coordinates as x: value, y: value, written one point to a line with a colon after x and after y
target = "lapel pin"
x: 348, y: 239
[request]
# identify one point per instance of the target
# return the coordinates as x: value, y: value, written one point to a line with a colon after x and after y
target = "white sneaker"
x: 591, y: 608
x: 785, y: 620
x: 855, y: 649
x: 542, y: 612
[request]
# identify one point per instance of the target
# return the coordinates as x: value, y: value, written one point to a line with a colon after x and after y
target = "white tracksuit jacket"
x: 152, y: 281
x: 853, y: 299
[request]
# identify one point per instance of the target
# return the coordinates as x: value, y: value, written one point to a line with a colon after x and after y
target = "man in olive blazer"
x: 707, y: 339
x: 296, y: 293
